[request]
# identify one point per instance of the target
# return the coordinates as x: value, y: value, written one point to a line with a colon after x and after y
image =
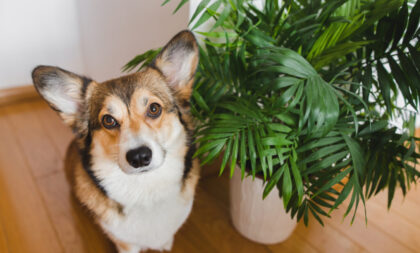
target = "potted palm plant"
x: 303, y: 95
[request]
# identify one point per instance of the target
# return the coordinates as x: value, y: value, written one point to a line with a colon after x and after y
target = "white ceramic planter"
x: 263, y: 221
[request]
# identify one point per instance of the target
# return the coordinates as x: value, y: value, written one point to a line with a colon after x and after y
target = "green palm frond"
x: 302, y: 94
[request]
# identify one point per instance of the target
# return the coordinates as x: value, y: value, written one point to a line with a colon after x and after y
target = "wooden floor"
x: 38, y: 214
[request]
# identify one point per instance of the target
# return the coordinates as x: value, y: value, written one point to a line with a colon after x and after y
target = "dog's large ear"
x: 178, y: 62
x: 63, y: 90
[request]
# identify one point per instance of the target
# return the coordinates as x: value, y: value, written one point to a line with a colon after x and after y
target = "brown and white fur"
x: 142, y: 206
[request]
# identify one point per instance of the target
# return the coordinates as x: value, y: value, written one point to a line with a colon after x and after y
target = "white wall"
x: 91, y: 37
x: 34, y: 32
x: 113, y: 32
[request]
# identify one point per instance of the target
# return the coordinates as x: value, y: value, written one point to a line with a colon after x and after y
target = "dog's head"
x: 135, y: 121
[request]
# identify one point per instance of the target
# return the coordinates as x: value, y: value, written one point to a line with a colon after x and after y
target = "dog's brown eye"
x: 109, y: 122
x: 154, y: 110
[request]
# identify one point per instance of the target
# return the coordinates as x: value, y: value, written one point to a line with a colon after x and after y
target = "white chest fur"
x: 150, y: 226
x: 153, y: 205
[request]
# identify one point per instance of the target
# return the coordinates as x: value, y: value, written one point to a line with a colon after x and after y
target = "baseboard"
x: 17, y: 94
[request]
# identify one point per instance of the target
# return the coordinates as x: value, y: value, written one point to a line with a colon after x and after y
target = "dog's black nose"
x: 139, y: 157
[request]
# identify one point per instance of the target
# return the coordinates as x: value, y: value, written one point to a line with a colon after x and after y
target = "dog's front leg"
x: 127, y: 248
x: 124, y: 247
x: 168, y: 245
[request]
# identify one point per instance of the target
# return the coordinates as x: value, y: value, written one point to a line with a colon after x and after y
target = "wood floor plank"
x: 404, y: 207
x: 368, y: 236
x: 26, y: 222
x: 218, y: 187
x: 189, y: 239
x: 59, y: 133
x: 213, y: 223
x: 38, y: 213
x: 208, y: 230
x: 408, y: 233
x: 76, y: 233
x: 327, y: 241
x: 3, y: 240
x: 414, y: 193
x: 33, y: 138
x: 76, y: 230
x: 327, y: 238
x: 295, y: 243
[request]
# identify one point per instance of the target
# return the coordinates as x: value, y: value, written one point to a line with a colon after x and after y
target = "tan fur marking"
x: 138, y: 108
x: 135, y: 125
x: 109, y: 138
x: 86, y: 191
x: 163, y: 118
x: 138, y: 111
x: 152, y: 81
x: 190, y: 183
x: 92, y: 86
x: 109, y: 142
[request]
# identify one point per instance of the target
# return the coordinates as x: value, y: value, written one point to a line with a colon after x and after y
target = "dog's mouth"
x: 135, y: 171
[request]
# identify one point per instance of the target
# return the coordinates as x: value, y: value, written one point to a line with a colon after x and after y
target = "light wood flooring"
x: 38, y: 214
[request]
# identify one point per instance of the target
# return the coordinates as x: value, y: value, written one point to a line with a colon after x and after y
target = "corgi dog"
x: 131, y: 163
